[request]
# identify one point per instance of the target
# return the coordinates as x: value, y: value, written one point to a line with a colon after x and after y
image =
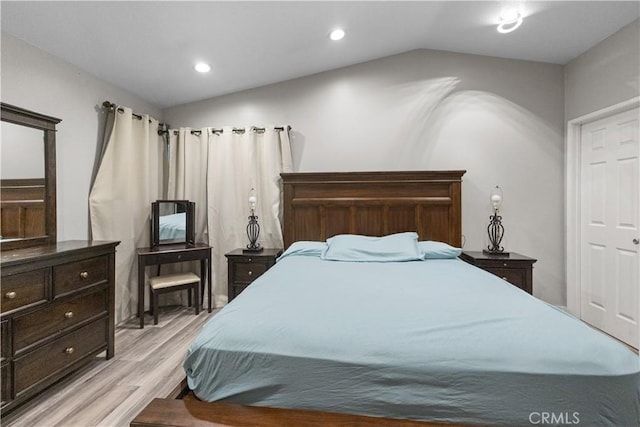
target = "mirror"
x: 172, y: 221
x: 27, y: 178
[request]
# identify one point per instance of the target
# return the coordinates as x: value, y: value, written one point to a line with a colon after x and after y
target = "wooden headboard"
x: 323, y: 204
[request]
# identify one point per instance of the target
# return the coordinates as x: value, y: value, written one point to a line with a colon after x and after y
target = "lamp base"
x: 252, y: 251
x: 496, y: 253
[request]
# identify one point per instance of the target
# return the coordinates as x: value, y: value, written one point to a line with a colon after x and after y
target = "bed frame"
x: 317, y: 206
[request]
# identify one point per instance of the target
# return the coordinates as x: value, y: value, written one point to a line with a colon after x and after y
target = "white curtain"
x: 225, y: 168
x: 129, y: 178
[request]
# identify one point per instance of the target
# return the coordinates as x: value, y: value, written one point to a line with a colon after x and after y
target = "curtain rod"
x: 111, y: 106
x: 236, y: 130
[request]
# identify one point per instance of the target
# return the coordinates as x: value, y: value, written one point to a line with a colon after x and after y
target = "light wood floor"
x: 147, y: 364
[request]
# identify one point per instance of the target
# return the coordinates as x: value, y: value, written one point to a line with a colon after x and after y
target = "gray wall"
x: 37, y: 81
x: 501, y: 120
x: 605, y: 75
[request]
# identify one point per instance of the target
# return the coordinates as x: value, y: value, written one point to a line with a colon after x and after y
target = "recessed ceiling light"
x: 510, y: 20
x: 202, y: 67
x: 336, y: 35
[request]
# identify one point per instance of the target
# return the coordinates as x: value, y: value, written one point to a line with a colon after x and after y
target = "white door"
x: 610, y: 190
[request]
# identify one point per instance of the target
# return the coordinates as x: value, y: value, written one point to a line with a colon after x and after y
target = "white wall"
x: 40, y: 82
x: 501, y: 120
x: 605, y: 75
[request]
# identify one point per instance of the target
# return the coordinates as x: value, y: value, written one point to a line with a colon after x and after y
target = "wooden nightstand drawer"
x: 80, y: 274
x: 38, y: 325
x: 516, y: 269
x: 23, y: 289
x: 245, y: 272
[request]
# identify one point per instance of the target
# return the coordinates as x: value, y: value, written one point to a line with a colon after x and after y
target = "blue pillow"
x: 304, y: 248
x: 438, y: 250
x: 391, y: 248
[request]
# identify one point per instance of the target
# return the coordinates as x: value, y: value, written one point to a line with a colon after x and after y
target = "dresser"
x: 516, y: 269
x: 57, y: 313
x: 243, y: 268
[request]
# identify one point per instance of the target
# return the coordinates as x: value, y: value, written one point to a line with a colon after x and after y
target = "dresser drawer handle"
x: 250, y: 259
x: 69, y: 350
x: 504, y: 264
x: 10, y: 295
x: 84, y: 275
x: 250, y: 272
x: 68, y: 314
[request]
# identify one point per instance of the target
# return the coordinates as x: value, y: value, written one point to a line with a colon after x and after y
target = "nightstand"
x: 516, y: 269
x: 244, y: 268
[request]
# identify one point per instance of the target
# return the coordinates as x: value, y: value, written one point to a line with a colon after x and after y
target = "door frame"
x: 572, y: 202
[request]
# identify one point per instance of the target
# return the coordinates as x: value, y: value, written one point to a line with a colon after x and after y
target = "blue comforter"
x: 436, y: 340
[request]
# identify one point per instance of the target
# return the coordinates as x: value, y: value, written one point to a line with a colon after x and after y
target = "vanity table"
x: 171, y: 253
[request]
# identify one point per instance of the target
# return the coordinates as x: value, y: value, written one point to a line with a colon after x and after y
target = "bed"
x: 427, y: 338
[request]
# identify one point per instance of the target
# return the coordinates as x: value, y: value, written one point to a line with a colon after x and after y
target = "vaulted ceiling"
x: 149, y: 48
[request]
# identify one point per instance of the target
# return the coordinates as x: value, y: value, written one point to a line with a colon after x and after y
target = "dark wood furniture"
x: 320, y: 205
x: 516, y: 269
x: 194, y: 413
x: 244, y: 268
x: 58, y: 304
x: 167, y: 254
x: 38, y: 220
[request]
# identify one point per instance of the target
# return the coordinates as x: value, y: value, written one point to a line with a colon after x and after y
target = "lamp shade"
x: 496, y: 198
x: 253, y: 199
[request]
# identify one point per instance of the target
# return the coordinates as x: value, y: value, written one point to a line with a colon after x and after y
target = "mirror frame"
x: 23, y: 117
x: 189, y: 209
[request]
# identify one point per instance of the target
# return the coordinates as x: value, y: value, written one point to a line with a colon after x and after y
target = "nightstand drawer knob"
x: 68, y: 315
x: 504, y: 278
x: 250, y: 259
x: 84, y: 275
x: 504, y: 264
x: 636, y: 241
x: 250, y: 272
x: 10, y: 295
x: 69, y: 350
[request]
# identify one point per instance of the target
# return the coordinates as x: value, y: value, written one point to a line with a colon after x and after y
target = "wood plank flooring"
x: 147, y: 364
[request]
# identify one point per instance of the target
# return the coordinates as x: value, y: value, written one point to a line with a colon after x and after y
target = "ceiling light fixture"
x: 202, y: 67
x: 337, y: 35
x: 509, y: 21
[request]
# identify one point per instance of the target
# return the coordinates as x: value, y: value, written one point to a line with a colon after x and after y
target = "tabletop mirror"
x: 172, y: 221
x: 27, y: 178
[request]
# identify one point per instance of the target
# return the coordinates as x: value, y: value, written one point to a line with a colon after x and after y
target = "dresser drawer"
x: 515, y: 276
x: 5, y: 351
x: 23, y: 289
x: 80, y: 274
x: 51, y: 359
x: 247, y: 272
x: 5, y: 386
x: 60, y: 315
